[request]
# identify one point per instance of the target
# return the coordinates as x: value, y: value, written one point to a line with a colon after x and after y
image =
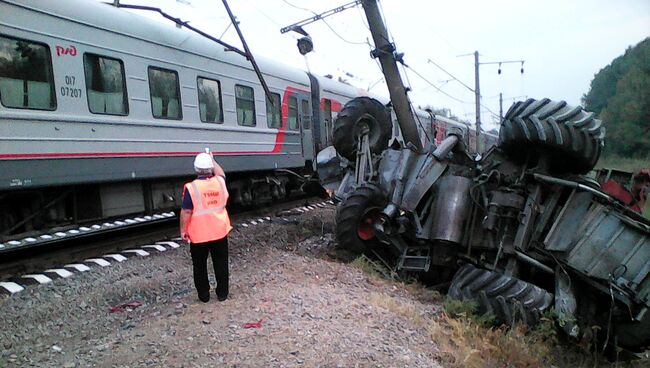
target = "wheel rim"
x: 368, y: 123
x: 366, y: 228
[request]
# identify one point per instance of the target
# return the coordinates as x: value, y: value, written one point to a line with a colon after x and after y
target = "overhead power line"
x: 433, y: 85
x: 324, y: 21
x: 451, y: 75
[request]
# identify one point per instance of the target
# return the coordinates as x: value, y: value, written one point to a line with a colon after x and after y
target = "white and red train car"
x: 102, y: 111
x: 434, y: 127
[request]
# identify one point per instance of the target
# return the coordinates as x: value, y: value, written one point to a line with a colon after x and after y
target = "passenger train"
x: 102, y: 111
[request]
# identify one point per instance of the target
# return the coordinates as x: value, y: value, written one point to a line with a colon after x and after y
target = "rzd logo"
x: 71, y: 50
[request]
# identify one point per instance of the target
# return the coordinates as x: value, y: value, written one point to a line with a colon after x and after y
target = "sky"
x: 563, y: 43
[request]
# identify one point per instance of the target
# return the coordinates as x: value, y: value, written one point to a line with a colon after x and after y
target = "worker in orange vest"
x: 205, y: 225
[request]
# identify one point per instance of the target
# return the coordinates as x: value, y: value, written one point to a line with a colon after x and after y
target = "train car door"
x: 306, y: 128
x: 327, y: 119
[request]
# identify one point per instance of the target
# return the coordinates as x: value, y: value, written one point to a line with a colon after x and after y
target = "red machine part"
x: 634, y: 199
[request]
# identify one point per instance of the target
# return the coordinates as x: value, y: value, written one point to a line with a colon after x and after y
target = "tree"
x: 620, y: 96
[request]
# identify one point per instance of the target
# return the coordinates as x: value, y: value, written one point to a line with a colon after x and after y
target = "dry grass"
x: 395, y: 306
x: 462, y: 342
x: 466, y: 343
x: 466, y: 340
x: 374, y: 268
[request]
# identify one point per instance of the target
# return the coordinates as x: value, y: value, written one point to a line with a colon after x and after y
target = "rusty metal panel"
x: 613, y: 249
x: 596, y: 240
x: 595, y: 247
x: 565, y: 230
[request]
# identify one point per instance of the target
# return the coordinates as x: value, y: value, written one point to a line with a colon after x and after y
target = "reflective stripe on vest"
x: 209, y: 220
x: 201, y: 208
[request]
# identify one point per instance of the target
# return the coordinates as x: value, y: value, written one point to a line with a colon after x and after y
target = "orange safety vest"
x: 209, y: 220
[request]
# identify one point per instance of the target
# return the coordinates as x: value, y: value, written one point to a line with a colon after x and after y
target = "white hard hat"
x: 203, y: 161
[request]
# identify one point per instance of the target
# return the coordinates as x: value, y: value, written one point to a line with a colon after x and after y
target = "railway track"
x: 37, y: 265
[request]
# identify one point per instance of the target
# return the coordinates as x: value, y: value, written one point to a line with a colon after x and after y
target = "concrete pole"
x: 500, y: 107
x: 477, y: 93
x: 385, y: 52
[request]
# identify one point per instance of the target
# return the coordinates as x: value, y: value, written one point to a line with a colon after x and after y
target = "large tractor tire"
x: 634, y: 336
x: 509, y: 299
x: 358, y: 114
x: 355, y: 216
x: 570, y: 137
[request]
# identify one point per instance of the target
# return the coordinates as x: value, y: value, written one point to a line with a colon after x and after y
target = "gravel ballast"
x: 302, y: 307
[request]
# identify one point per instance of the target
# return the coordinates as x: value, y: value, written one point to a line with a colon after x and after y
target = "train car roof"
x: 332, y: 86
x: 449, y: 121
x: 103, y: 16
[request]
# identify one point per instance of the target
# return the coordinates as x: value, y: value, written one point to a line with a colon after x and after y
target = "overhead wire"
x: 383, y: 16
x: 451, y: 75
x: 465, y: 85
x: 266, y: 15
x: 363, y: 19
x: 327, y: 24
x: 434, y: 86
x: 404, y: 65
x: 495, y: 115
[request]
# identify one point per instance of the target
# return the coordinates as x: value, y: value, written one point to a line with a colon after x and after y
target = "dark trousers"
x: 218, y: 249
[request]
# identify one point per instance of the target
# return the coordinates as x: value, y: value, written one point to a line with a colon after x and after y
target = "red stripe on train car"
x: 335, y: 105
x: 277, y: 147
x: 119, y: 154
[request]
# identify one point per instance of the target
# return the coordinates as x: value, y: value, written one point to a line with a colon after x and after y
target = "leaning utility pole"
x: 385, y: 52
x: 477, y: 94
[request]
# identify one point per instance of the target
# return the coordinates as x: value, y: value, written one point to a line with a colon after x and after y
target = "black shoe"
x: 204, y: 297
x: 220, y: 297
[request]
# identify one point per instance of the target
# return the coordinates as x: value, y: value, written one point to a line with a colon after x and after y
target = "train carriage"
x: 102, y: 111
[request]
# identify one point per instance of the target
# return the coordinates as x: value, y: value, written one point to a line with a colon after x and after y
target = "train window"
x: 210, y: 107
x: 245, y: 102
x: 306, y: 115
x: 105, y: 85
x: 273, y: 115
x: 292, y: 118
x: 165, y: 94
x: 26, y: 79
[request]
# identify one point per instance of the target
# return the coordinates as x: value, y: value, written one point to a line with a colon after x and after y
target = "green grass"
x: 622, y: 163
x: 374, y: 268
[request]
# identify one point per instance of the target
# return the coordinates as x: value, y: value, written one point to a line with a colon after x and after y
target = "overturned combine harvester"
x: 519, y: 229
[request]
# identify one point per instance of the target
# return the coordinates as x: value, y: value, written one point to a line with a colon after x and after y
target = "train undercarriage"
x: 30, y: 213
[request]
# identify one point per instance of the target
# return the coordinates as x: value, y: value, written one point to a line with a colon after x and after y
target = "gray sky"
x: 564, y: 43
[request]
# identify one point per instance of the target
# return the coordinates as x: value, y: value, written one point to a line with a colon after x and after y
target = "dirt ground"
x: 312, y: 311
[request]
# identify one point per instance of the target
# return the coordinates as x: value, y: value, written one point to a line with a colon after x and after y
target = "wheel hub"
x: 366, y: 227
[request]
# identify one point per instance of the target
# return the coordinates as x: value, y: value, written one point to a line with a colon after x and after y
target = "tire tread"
x: 509, y: 299
x: 570, y: 137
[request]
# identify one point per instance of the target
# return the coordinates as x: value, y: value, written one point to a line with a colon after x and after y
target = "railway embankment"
x: 294, y: 302
x: 291, y: 304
